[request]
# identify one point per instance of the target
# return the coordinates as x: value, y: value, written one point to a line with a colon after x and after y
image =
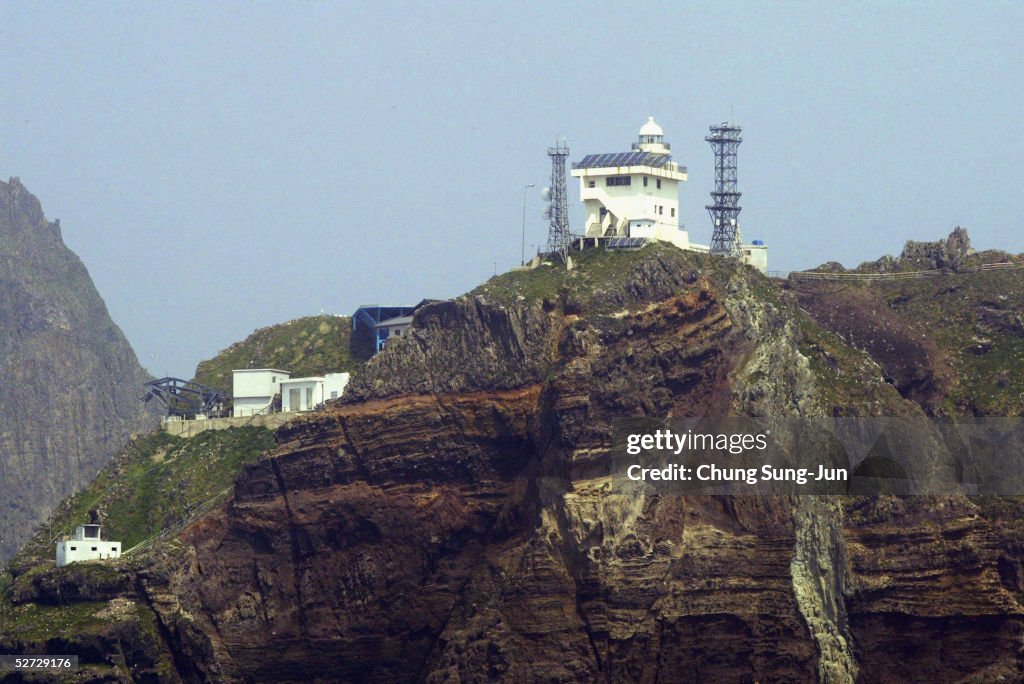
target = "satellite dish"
x: 545, y: 194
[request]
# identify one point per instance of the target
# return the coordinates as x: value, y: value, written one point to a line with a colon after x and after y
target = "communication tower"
x: 558, y: 207
x: 725, y: 139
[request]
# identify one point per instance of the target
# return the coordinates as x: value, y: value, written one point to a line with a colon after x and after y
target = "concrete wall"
x: 249, y: 406
x: 74, y: 550
x: 756, y: 256
x: 334, y: 385
x: 191, y: 428
x: 256, y: 382
x: 307, y: 391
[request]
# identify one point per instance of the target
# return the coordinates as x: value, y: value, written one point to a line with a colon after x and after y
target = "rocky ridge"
x: 69, y: 395
x: 454, y: 517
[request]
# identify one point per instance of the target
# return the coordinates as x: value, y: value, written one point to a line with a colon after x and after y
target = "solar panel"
x: 597, y: 161
x: 626, y: 243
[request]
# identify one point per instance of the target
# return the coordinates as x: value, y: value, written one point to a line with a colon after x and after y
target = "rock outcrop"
x: 69, y: 394
x: 455, y: 518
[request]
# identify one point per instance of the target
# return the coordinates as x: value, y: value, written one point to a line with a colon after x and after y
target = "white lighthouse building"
x: 634, y: 194
x: 629, y: 197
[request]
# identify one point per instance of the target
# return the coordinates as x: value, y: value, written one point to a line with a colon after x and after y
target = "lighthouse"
x: 634, y: 194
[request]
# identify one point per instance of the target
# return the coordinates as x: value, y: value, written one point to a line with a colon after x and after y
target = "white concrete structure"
x: 634, y: 194
x: 392, y: 327
x: 87, y: 544
x: 305, y: 394
x: 756, y: 254
x: 334, y: 385
x: 253, y: 389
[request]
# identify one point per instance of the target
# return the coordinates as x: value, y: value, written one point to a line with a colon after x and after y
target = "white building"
x: 756, y: 254
x: 634, y: 194
x: 87, y: 544
x: 253, y: 389
x: 392, y: 327
x: 305, y: 394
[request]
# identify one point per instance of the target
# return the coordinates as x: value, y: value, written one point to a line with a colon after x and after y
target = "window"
x: 273, y: 379
x: 591, y: 184
x: 659, y: 184
x: 645, y: 181
x: 611, y: 181
x: 334, y: 395
x: 95, y: 549
x: 114, y: 547
x: 673, y: 212
x: 74, y: 548
x: 398, y: 332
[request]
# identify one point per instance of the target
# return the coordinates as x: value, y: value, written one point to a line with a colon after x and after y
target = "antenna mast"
x: 725, y: 139
x: 558, y: 209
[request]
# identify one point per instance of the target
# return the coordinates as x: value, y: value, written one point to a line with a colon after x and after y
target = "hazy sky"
x: 225, y: 166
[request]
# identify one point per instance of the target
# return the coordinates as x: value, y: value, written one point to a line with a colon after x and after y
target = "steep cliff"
x: 70, y: 380
x: 454, y: 518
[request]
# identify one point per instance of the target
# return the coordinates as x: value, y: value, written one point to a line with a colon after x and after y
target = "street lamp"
x: 522, y: 260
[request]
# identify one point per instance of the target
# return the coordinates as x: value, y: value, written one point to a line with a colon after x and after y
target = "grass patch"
x: 156, y: 482
x: 37, y: 622
x: 305, y: 346
x: 976, y: 319
x: 846, y: 377
x: 598, y: 271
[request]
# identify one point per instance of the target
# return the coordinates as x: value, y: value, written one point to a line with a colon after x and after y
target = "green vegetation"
x: 847, y: 378
x: 156, y: 482
x: 305, y: 346
x: 976, y: 320
x: 37, y: 622
x: 595, y: 272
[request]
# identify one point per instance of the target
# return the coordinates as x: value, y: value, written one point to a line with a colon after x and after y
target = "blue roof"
x: 596, y: 161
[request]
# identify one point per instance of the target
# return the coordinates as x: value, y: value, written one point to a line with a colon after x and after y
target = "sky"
x: 221, y: 167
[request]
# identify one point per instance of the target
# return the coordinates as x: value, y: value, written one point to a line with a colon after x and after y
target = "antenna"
x: 558, y: 209
x: 725, y: 240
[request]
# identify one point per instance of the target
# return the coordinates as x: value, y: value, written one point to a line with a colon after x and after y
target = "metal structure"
x: 559, y: 238
x: 185, y: 398
x: 726, y: 239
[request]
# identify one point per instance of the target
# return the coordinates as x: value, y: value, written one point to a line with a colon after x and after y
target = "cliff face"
x: 70, y: 381
x: 454, y: 518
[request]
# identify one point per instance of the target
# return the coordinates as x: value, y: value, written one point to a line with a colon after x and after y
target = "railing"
x: 900, y: 275
x: 182, y: 523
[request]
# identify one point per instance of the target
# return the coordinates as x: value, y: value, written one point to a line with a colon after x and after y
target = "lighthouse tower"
x: 633, y: 194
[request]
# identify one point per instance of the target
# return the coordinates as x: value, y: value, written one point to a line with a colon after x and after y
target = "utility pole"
x: 522, y: 260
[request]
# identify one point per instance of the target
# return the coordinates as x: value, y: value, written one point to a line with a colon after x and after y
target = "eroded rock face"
x: 440, y: 527
x: 70, y: 380
x: 449, y: 535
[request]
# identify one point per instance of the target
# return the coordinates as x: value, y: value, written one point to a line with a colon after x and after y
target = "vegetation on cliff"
x: 951, y: 342
x: 154, y: 484
x: 313, y: 345
x: 98, y: 610
x: 455, y: 514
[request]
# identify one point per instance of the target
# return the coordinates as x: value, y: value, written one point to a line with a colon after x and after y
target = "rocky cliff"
x: 70, y: 380
x: 454, y: 518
